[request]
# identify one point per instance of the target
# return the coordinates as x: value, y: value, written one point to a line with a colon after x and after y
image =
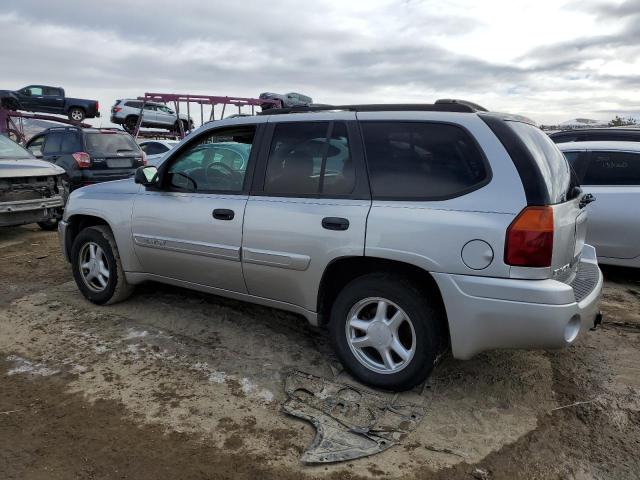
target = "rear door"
x: 309, y: 206
x: 613, y: 177
x: 190, y: 229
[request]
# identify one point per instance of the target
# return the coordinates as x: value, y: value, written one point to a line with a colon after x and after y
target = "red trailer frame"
x: 11, y: 123
x: 201, y: 100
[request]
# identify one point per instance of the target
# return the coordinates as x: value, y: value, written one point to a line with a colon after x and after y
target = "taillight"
x: 82, y: 159
x: 97, y: 105
x: 116, y: 109
x: 144, y: 158
x: 529, y: 240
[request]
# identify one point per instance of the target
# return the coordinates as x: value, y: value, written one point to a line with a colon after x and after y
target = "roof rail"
x: 449, y: 101
x: 439, y: 106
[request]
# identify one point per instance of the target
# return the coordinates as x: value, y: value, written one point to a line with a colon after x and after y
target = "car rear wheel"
x: 97, y: 268
x: 130, y: 123
x: 76, y: 114
x: 385, y: 331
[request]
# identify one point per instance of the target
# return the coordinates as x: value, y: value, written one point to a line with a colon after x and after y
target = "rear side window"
x: 422, y: 161
x: 612, y: 168
x: 310, y: 158
x: 111, y: 144
x: 134, y: 104
x: 552, y: 164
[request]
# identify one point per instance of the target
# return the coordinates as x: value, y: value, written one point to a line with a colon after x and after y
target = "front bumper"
x: 487, y: 313
x: 29, y: 211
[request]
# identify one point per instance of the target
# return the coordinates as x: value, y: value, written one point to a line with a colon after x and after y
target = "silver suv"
x: 157, y: 115
x: 405, y: 229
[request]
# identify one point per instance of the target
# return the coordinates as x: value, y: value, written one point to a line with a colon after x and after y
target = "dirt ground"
x: 180, y: 385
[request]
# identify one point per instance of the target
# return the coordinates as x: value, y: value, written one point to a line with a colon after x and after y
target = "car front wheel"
x: 97, y: 268
x: 385, y: 331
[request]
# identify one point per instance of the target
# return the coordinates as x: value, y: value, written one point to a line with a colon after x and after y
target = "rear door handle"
x: 223, y: 214
x: 335, y: 223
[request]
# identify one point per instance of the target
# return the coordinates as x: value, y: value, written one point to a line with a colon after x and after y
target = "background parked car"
x: 155, y: 115
x: 597, y: 134
x: 88, y: 155
x: 44, y: 99
x: 31, y: 190
x: 611, y: 172
x: 156, y: 149
x: 288, y: 100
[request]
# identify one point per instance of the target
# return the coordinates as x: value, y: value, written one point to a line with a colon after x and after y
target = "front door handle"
x: 223, y: 214
x: 335, y: 223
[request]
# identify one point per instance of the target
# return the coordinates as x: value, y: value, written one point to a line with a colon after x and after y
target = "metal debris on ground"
x: 350, y: 422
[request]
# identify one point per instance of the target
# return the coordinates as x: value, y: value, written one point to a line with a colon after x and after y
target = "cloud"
x: 336, y: 51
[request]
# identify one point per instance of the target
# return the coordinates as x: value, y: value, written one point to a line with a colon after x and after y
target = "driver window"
x: 215, y: 162
x: 36, y: 91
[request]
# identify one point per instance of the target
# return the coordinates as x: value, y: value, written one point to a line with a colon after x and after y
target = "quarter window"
x: 421, y: 161
x: 215, y: 162
x: 310, y: 158
x: 613, y: 168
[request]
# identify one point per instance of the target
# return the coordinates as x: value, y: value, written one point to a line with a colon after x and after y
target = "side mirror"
x: 147, y: 176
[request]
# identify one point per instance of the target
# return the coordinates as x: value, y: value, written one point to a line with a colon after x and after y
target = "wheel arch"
x: 77, y: 223
x: 343, y: 270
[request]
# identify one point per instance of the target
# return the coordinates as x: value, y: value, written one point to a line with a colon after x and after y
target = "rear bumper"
x: 488, y: 313
x: 29, y: 211
x: 80, y: 178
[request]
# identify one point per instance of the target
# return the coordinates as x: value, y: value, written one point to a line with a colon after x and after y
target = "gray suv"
x: 406, y: 229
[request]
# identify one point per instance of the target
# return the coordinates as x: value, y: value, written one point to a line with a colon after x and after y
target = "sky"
x: 550, y: 60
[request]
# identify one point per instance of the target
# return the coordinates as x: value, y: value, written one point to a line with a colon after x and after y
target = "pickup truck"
x: 44, y: 99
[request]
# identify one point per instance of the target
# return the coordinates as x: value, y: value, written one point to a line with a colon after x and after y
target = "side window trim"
x: 361, y: 190
x: 249, y: 173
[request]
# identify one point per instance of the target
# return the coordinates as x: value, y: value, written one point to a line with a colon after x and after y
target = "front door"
x: 309, y: 207
x: 190, y: 228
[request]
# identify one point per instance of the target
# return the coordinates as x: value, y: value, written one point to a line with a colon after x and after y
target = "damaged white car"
x: 31, y: 190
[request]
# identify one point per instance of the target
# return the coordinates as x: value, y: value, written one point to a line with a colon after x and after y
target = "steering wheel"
x: 229, y: 174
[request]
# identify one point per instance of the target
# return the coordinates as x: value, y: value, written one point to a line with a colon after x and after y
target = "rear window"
x: 554, y: 168
x: 111, y: 144
x: 422, y: 161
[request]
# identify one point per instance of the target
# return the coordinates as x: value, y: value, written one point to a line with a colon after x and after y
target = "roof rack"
x: 442, y: 105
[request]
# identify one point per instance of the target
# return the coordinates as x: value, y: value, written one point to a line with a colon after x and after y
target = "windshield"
x: 10, y: 149
x: 556, y: 172
x: 111, y: 144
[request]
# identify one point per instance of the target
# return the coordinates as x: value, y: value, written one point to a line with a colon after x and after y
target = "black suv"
x: 89, y: 155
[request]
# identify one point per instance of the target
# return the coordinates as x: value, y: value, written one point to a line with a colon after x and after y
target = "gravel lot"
x: 177, y: 384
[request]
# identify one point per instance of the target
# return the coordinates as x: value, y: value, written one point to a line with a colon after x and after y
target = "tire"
x: 130, y: 123
x: 115, y: 288
x: 50, y: 224
x: 77, y: 114
x: 419, y: 334
x: 185, y: 126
